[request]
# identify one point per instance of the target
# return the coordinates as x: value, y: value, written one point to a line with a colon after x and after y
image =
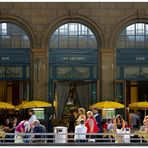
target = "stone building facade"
x: 106, y: 20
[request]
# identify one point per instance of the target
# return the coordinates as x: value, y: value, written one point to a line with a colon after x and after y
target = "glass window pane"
x: 146, y: 29
x: 27, y: 72
x: 79, y: 36
x: 130, y: 30
x: 73, y: 42
x: 9, y: 32
x: 73, y: 29
x: 13, y: 72
x: 54, y: 41
x: 140, y: 41
x: 131, y: 72
x: 63, y: 30
x: 82, y: 41
x: 92, y: 43
x: 95, y: 72
x: 144, y: 71
x: 136, y: 36
x: 139, y: 29
x: 63, y: 41
x: 83, y: 30
x: 2, y: 72
x: 118, y: 72
x: 81, y: 72
x: 64, y: 72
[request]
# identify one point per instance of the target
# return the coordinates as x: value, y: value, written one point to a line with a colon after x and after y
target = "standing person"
x: 81, y: 112
x: 22, y: 127
x: 80, y: 132
x: 91, y: 125
x: 145, y: 122
x: 134, y: 120
x: 11, y: 129
x: 6, y: 125
x: 110, y: 126
x: 71, y: 122
x: 119, y: 126
x: 98, y: 118
x: 38, y: 128
x: 32, y: 116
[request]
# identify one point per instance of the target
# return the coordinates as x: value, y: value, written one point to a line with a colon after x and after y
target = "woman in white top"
x: 32, y: 116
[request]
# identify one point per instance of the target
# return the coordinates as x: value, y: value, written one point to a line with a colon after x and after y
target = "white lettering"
x: 5, y: 58
x: 140, y: 58
x: 73, y: 58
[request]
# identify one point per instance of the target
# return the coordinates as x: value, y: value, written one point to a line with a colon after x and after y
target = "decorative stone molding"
x: 73, y: 13
x: 4, y: 13
x: 141, y: 14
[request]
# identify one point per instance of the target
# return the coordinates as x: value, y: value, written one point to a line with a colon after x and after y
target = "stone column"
x: 107, y: 74
x: 40, y: 74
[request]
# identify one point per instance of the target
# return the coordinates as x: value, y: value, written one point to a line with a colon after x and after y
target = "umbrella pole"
x: 145, y: 112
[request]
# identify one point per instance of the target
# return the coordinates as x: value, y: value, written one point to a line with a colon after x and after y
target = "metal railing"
x: 53, y: 138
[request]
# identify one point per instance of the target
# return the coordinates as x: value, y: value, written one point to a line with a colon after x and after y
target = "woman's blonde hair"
x: 82, y: 110
x: 90, y: 113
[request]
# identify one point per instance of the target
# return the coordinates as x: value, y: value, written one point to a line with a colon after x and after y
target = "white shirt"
x: 32, y: 118
x: 110, y: 126
x: 80, y: 132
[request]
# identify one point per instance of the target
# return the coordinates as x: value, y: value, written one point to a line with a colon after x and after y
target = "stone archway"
x: 6, y: 17
x: 74, y: 18
x: 140, y: 16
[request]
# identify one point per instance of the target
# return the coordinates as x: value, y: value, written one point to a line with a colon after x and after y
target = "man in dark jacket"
x: 98, y: 118
x: 38, y: 132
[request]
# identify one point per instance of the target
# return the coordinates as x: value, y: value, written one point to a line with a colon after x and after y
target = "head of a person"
x: 81, y: 111
x: 95, y: 110
x: 35, y: 122
x: 89, y: 114
x: 119, y: 119
x: 31, y: 112
x: 14, y: 120
x: 145, y: 121
x: 110, y: 121
x: 82, y: 121
x: 7, y: 121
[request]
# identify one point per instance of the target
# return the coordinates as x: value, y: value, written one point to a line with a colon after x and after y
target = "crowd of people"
x: 25, y: 131
x: 84, y: 125
x: 91, y: 122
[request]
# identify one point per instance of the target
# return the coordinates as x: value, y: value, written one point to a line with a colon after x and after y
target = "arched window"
x: 13, y: 36
x: 73, y: 35
x: 134, y: 36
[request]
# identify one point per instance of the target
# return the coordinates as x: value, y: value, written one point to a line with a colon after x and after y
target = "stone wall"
x: 105, y: 18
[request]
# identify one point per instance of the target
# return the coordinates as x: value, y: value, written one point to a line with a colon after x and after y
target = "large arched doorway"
x: 132, y: 64
x: 14, y: 64
x: 73, y: 67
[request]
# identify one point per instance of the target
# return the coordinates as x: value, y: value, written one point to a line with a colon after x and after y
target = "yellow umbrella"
x: 140, y: 105
x: 33, y: 104
x: 107, y: 104
x: 5, y: 105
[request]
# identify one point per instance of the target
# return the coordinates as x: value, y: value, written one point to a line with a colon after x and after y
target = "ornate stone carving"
x: 141, y: 13
x: 73, y: 13
x: 4, y: 13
